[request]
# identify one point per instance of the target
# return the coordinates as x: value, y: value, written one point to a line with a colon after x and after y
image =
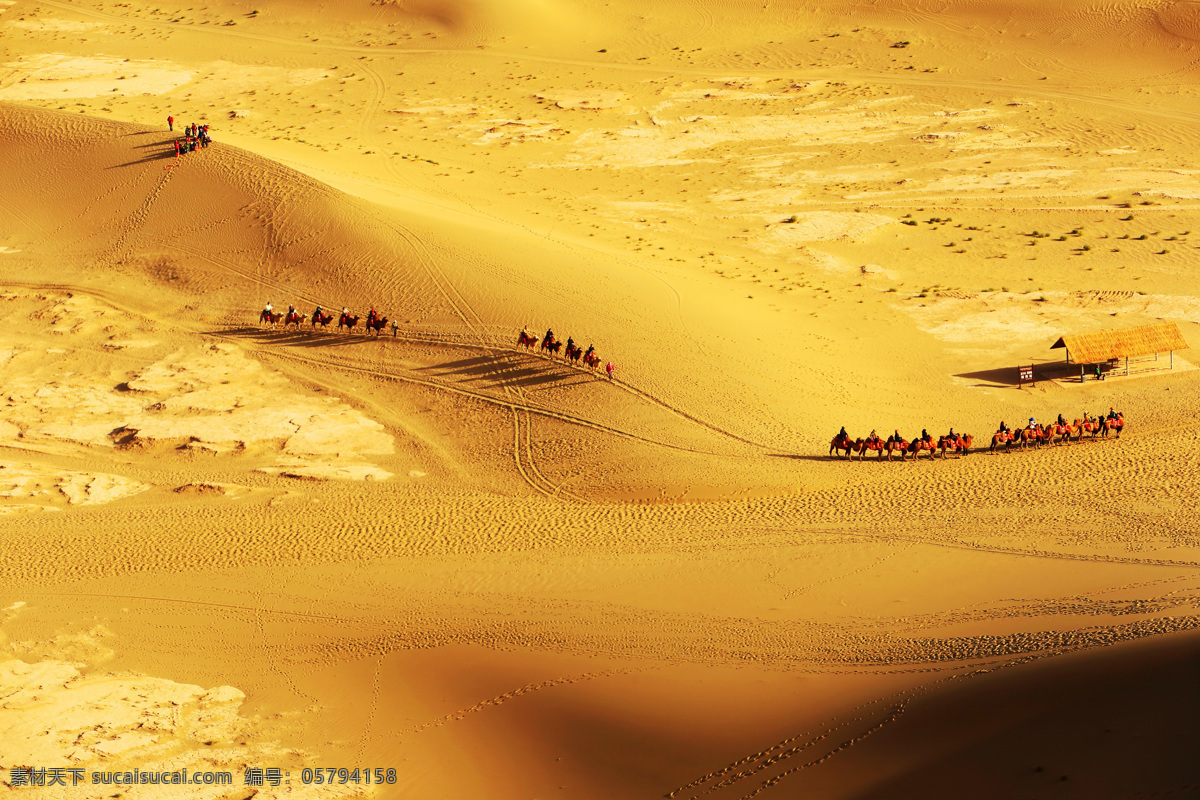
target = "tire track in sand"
x: 509, y: 404
x: 460, y: 305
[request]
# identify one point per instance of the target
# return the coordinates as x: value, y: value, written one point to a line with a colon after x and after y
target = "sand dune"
x: 504, y: 575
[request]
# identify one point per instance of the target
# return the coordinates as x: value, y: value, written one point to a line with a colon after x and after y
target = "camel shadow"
x: 297, y: 338
x: 508, y: 370
x: 499, y: 371
x: 799, y: 457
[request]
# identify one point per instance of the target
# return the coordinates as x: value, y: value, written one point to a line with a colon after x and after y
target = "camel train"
x: 1033, y: 435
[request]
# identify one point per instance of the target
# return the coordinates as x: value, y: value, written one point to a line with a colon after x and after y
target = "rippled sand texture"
x: 505, y: 576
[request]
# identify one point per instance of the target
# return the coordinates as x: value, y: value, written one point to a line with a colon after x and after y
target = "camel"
x: 893, y: 445
x: 1032, y: 436
x: 918, y: 445
x: 960, y: 443
x: 1116, y: 425
x: 841, y: 443
x: 1005, y: 438
x: 871, y: 443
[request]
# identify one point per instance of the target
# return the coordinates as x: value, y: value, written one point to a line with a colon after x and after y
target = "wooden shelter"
x: 1104, y: 350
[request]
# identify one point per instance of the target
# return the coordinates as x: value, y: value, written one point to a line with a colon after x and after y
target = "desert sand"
x: 228, y: 546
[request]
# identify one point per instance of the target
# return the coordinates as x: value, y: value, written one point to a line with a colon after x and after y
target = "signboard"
x: 1025, y: 375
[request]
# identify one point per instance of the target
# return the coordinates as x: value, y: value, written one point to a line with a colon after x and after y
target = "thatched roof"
x: 1089, y: 348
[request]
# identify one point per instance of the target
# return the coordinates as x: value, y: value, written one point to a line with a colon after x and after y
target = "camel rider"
x: 952, y: 436
x: 549, y: 335
x: 1003, y: 427
x: 371, y: 315
x: 1112, y: 414
x: 269, y: 308
x: 842, y: 433
x: 873, y: 437
x: 896, y: 437
x: 588, y: 353
x: 925, y: 437
x: 570, y: 344
x: 1032, y: 424
x: 1061, y: 421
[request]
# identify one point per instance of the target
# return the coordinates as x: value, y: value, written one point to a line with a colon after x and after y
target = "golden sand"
x: 505, y: 576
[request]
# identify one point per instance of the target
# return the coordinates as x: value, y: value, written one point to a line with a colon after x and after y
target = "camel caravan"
x: 552, y: 346
x: 374, y: 323
x: 1034, y: 434
x: 1059, y: 432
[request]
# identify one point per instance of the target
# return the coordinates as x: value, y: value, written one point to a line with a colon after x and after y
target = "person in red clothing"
x: 170, y: 122
x: 177, y: 148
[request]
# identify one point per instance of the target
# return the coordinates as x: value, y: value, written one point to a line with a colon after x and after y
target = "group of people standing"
x: 193, y: 136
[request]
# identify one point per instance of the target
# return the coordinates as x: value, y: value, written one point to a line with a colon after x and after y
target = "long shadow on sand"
x: 305, y: 337
x: 798, y: 457
x: 163, y: 148
x: 482, y: 372
x: 157, y: 156
x: 508, y: 370
x: 1007, y: 376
